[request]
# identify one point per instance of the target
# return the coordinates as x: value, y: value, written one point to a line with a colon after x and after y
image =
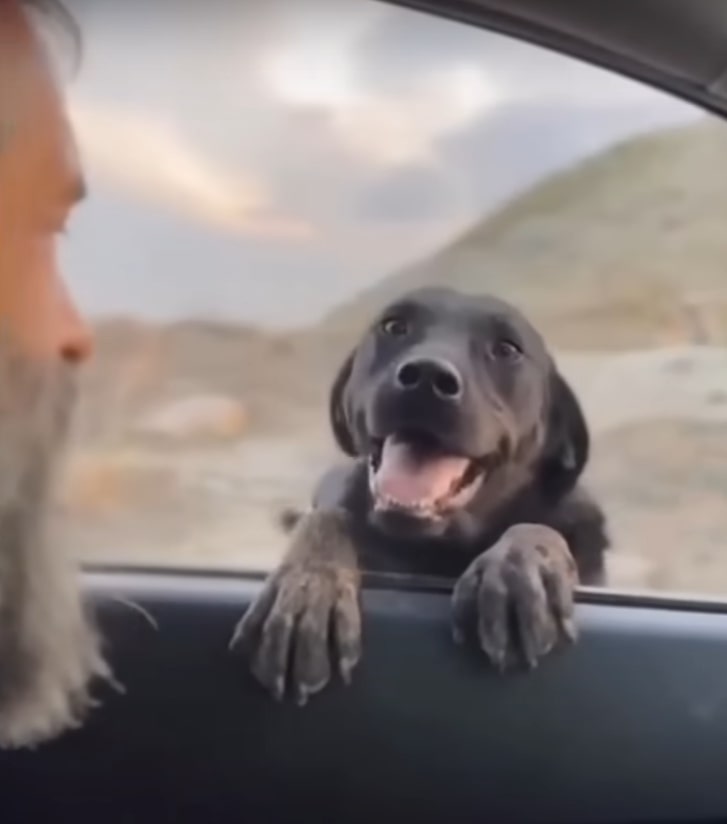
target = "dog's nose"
x: 439, y: 376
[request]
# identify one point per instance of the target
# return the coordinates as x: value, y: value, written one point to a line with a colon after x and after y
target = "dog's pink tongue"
x: 412, y: 476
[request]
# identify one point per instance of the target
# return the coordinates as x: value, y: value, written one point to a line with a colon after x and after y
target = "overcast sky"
x: 261, y: 160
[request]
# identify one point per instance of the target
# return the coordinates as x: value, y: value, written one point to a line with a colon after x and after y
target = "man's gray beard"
x: 49, y: 651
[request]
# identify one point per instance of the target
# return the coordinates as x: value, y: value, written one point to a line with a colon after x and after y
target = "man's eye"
x: 395, y: 326
x: 506, y: 350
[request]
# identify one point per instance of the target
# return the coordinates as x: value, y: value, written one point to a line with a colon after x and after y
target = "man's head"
x: 40, y: 181
x: 42, y: 336
x: 49, y: 650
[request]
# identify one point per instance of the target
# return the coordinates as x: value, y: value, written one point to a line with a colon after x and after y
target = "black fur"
x: 443, y: 374
x: 548, y: 491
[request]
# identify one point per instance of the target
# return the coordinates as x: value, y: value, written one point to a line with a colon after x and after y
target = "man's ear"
x: 567, y: 441
x: 337, y: 412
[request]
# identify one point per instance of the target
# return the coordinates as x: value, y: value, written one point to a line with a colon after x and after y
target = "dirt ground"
x: 189, y: 476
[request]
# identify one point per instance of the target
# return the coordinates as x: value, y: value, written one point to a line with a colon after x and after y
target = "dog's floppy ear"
x: 567, y: 442
x: 337, y: 412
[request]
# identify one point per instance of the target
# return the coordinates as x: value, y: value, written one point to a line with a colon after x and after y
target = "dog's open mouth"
x: 412, y: 473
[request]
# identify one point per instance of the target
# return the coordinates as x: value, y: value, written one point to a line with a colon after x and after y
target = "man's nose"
x: 73, y: 334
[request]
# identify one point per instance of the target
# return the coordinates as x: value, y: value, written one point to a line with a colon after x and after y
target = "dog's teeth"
x: 410, y: 506
x: 383, y: 502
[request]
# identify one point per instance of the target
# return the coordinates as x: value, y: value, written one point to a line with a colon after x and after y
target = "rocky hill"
x: 624, y: 250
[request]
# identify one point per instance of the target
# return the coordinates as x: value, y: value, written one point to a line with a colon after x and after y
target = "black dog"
x: 469, y: 445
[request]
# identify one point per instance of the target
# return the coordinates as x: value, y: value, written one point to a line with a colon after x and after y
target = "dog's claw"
x: 346, y: 669
x: 570, y: 631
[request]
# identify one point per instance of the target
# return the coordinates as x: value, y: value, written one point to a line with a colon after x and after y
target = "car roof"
x: 679, y: 46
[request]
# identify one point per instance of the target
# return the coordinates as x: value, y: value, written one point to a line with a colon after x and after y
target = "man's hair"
x: 61, y: 27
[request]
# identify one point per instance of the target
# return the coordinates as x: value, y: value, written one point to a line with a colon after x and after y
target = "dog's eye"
x: 394, y: 326
x: 506, y: 350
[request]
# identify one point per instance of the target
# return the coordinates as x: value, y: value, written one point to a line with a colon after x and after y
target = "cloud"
x: 384, y: 127
x: 148, y: 155
x: 331, y: 142
x: 324, y: 99
x: 412, y: 193
x: 400, y: 129
x: 406, y: 45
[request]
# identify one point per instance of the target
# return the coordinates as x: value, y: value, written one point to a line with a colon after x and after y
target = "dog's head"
x: 444, y: 394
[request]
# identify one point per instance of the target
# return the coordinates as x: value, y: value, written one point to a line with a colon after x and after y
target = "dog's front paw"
x: 306, y: 622
x: 517, y: 597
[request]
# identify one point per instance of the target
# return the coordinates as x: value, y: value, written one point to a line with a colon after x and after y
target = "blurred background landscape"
x: 237, y: 242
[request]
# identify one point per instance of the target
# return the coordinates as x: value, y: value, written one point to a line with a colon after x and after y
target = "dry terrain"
x: 191, y: 435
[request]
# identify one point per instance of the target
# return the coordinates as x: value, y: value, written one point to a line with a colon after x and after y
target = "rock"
x: 99, y: 482
x: 201, y: 416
